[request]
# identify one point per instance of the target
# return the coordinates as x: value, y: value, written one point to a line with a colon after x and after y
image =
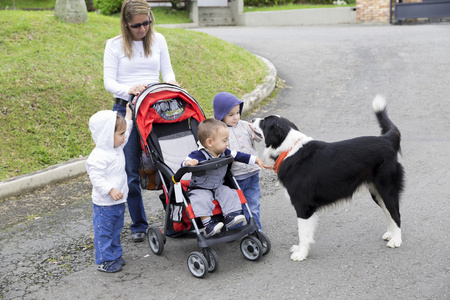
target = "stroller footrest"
x: 229, y: 235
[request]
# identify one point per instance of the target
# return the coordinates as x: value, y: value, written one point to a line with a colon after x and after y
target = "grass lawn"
x: 30, y: 4
x: 51, y: 82
x: 291, y: 6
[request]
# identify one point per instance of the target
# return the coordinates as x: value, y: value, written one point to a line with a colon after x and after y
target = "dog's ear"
x: 292, y: 125
x: 274, y: 135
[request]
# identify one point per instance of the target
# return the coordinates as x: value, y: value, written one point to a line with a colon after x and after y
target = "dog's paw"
x: 298, y: 256
x: 394, y: 242
x: 299, y: 253
x: 295, y: 248
x: 387, y: 236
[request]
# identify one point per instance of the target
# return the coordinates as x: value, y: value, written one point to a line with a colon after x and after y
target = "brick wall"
x: 375, y: 11
x: 372, y: 11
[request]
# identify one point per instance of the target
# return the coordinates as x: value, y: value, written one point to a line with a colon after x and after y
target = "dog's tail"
x: 388, y: 129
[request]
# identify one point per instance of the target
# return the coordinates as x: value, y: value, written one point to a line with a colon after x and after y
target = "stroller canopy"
x: 163, y: 103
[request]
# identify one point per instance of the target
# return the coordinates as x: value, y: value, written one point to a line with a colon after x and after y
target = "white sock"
x: 206, y: 221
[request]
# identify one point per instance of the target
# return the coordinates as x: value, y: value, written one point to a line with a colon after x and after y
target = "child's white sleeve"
x: 252, y: 160
x: 129, y: 127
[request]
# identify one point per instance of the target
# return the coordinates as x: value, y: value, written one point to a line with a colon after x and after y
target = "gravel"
x: 47, y: 234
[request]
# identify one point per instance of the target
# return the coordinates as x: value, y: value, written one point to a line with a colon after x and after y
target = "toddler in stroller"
x: 213, y: 140
x: 167, y: 119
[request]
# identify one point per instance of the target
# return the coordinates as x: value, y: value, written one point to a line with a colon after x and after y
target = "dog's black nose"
x: 253, y: 120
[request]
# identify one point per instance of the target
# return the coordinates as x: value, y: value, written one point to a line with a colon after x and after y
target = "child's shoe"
x: 212, y: 228
x: 120, y: 261
x: 109, y: 267
x: 234, y: 218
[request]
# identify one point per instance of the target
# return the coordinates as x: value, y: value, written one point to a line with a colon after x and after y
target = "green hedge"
x: 108, y: 7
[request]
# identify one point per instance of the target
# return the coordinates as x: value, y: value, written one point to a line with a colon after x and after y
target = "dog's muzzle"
x: 256, y: 128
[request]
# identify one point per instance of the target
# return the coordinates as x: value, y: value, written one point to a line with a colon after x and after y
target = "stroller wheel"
x: 251, y: 248
x: 211, y: 258
x: 265, y: 242
x: 155, y: 240
x: 197, y: 264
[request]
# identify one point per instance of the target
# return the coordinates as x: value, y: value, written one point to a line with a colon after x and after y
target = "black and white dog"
x: 316, y: 174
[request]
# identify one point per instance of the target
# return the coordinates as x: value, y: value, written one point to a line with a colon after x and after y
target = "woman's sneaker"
x: 234, y: 218
x: 109, y: 267
x: 212, y: 228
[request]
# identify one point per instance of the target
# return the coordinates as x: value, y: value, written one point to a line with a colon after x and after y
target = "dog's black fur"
x: 316, y: 174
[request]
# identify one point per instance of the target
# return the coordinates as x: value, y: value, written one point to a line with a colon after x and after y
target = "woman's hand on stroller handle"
x: 136, y: 90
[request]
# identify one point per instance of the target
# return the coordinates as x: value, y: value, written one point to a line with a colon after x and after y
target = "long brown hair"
x: 131, y: 8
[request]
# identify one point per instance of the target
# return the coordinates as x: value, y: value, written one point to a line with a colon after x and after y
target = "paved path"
x: 332, y: 75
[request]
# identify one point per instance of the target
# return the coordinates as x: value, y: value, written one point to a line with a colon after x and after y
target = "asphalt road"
x: 331, y: 76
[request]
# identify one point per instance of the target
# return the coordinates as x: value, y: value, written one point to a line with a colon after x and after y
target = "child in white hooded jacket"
x: 106, y: 169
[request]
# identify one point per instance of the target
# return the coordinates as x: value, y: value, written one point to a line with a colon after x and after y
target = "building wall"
x: 296, y: 17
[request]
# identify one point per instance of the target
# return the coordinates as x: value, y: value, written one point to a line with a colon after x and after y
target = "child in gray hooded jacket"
x: 228, y: 108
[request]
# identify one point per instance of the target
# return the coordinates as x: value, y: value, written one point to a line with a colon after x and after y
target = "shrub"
x: 108, y: 7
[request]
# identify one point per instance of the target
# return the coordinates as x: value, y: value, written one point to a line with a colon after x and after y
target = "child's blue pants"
x: 108, y: 223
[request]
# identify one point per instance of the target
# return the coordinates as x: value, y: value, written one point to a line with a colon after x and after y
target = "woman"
x: 133, y: 60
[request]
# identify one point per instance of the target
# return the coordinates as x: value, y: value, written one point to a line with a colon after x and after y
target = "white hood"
x: 102, y: 125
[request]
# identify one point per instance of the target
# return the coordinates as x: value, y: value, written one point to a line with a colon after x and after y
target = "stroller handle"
x: 131, y: 96
x: 209, y: 164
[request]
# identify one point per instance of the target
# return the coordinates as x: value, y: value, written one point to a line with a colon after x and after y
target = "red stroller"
x: 166, y: 118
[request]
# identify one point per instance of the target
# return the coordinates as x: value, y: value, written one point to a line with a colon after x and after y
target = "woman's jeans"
x: 252, y: 192
x: 108, y: 223
x: 132, y: 165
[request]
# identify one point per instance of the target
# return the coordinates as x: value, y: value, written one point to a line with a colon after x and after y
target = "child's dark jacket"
x: 215, y: 177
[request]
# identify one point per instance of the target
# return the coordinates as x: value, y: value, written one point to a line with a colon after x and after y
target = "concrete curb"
x: 64, y: 171
x: 262, y: 91
x: 25, y: 183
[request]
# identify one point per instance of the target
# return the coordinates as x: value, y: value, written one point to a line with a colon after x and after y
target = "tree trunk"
x: 175, y: 3
x: 71, y: 11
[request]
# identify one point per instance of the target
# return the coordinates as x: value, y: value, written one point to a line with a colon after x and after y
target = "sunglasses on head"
x: 136, y: 26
